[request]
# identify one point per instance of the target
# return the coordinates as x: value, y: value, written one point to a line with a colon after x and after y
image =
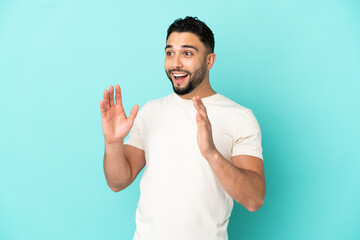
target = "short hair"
x: 194, y: 25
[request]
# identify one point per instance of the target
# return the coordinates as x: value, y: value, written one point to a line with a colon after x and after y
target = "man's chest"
x: 175, y: 131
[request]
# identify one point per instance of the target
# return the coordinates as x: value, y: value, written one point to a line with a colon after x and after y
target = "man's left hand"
x: 204, y: 133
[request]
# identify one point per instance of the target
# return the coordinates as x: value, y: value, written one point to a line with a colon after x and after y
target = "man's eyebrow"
x: 190, y: 46
x: 183, y: 46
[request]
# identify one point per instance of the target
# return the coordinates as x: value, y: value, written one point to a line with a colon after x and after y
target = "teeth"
x: 179, y: 74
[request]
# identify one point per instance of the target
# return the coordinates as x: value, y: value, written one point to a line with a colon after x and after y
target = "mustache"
x: 178, y: 70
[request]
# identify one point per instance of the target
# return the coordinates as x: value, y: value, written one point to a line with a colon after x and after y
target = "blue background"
x: 296, y: 64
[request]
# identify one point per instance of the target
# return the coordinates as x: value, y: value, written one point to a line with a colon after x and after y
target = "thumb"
x: 133, y: 113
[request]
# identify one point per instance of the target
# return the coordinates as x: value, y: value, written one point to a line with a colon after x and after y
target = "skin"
x: 243, y: 178
x: 185, y: 51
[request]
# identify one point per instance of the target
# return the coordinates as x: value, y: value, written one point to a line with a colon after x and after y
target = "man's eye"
x: 188, y: 54
x: 169, y: 53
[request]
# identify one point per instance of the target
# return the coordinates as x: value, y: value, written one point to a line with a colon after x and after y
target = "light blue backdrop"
x: 296, y: 64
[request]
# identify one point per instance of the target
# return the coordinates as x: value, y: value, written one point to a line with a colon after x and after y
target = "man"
x: 201, y: 150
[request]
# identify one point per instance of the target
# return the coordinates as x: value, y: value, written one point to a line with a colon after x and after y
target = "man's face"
x: 185, y: 61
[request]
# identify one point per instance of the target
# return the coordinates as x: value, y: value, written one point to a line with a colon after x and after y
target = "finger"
x: 133, y: 113
x: 102, y: 109
x: 106, y: 100
x: 118, y: 95
x: 111, y: 96
x: 200, y: 103
x: 200, y: 120
x: 200, y: 109
x: 196, y: 104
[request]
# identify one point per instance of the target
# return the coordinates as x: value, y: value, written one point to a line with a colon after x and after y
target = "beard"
x: 195, y: 78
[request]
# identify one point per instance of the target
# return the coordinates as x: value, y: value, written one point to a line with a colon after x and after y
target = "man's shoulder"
x: 158, y: 101
x: 152, y: 106
x: 227, y: 104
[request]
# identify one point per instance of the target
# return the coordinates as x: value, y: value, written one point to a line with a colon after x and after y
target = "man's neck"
x: 203, y: 90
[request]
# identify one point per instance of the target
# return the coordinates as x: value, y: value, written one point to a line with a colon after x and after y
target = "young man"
x: 201, y: 150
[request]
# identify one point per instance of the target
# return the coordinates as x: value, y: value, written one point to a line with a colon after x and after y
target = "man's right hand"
x: 115, y: 124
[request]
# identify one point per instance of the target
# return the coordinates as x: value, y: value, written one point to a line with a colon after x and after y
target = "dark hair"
x: 194, y: 25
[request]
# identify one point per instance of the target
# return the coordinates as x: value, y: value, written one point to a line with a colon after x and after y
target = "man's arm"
x: 243, y: 178
x: 122, y: 163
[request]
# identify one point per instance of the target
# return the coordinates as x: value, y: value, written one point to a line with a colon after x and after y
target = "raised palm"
x: 115, y: 124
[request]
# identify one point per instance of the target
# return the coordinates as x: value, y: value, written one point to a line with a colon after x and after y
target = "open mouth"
x: 179, y: 77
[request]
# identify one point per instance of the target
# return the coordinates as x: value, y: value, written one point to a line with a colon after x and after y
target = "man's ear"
x: 210, y: 59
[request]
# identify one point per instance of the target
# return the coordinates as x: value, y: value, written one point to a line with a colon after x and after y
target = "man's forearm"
x: 244, y: 186
x: 116, y: 167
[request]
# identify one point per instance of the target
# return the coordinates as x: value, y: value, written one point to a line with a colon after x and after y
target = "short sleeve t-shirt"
x: 180, y: 196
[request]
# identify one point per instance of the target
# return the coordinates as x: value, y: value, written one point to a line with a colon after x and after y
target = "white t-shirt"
x: 180, y: 196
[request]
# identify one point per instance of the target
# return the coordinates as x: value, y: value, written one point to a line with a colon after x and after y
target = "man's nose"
x: 177, y: 63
